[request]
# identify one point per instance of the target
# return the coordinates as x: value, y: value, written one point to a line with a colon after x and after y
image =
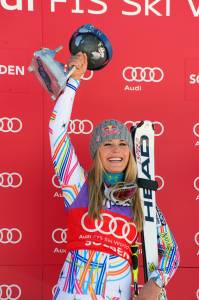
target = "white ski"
x: 143, y: 139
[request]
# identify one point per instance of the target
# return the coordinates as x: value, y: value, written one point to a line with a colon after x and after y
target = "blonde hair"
x: 96, y: 189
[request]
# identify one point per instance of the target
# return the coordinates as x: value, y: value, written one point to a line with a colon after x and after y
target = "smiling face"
x: 114, y: 155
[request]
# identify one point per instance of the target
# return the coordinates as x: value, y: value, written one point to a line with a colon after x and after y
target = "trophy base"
x: 49, y: 72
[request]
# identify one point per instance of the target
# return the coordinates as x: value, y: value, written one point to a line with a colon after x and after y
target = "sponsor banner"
x: 138, y: 77
x: 143, y: 81
x: 128, y: 8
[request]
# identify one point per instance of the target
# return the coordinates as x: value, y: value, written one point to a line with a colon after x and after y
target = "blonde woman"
x: 103, y: 209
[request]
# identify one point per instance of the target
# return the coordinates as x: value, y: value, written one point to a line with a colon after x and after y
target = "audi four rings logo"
x: 10, y: 292
x: 142, y: 74
x: 13, y: 180
x: 195, y: 129
x: 113, y: 226
x: 77, y: 126
x: 10, y: 125
x: 59, y: 235
x: 12, y: 236
x: 157, y: 125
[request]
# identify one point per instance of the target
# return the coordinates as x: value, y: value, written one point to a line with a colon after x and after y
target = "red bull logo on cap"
x: 110, y: 130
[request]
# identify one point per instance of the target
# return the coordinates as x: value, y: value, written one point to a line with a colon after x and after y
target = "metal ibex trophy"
x: 52, y: 74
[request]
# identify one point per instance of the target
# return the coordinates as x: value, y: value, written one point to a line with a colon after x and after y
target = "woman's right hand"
x: 80, y: 62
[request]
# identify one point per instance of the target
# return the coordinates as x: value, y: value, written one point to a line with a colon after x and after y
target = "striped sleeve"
x: 168, y: 252
x: 67, y: 168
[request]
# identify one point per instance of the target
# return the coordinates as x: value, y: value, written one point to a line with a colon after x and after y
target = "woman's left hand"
x: 150, y: 291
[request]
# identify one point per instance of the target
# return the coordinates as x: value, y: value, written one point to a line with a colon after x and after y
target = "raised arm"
x: 68, y: 170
